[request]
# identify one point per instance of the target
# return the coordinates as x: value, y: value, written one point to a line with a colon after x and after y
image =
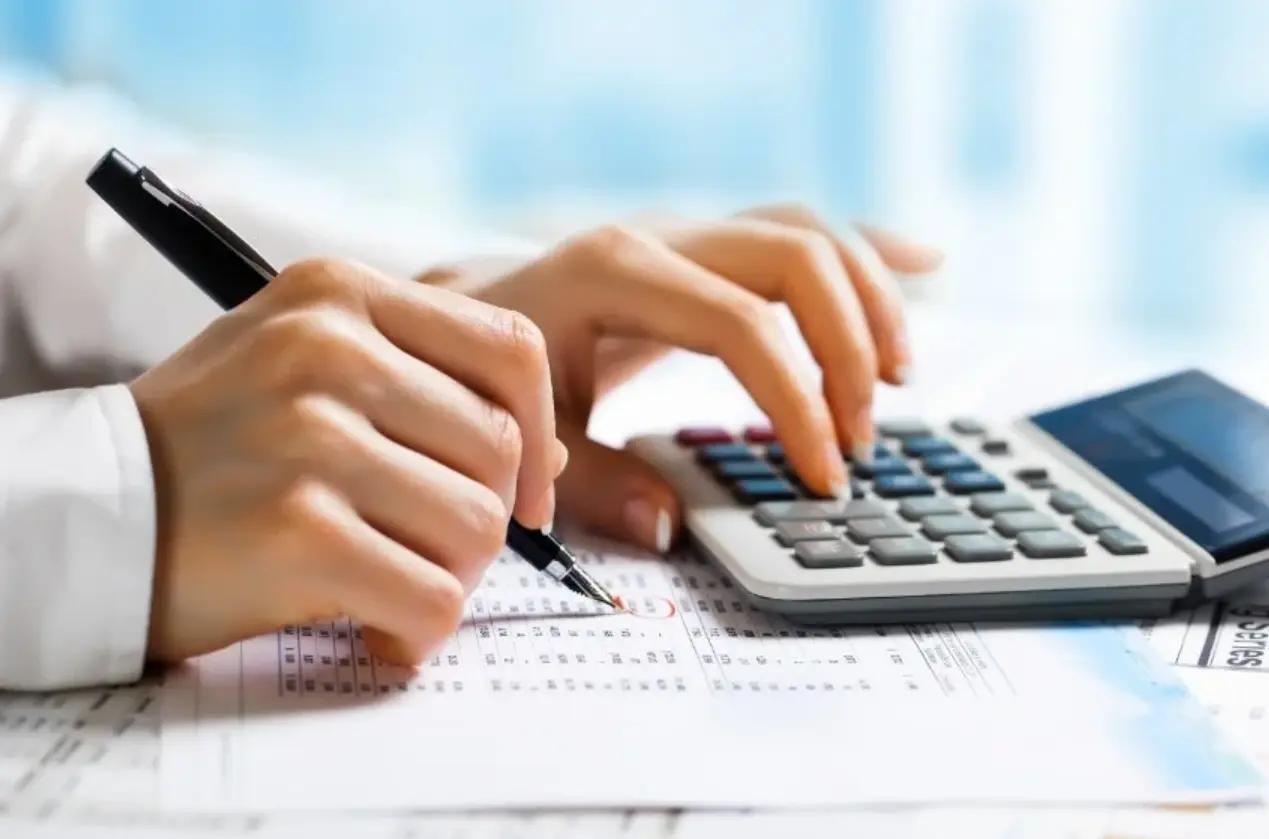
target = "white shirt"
x: 85, y: 305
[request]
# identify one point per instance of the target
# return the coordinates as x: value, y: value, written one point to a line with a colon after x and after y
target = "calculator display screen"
x: 1188, y: 447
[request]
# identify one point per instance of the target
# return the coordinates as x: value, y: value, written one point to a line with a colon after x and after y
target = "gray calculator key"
x: 823, y: 553
x: 915, y: 509
x: 1050, y: 544
x: 1120, y: 541
x: 792, y: 532
x: 771, y: 513
x: 967, y: 425
x: 908, y: 550
x: 941, y: 527
x: 988, y: 504
x: 1066, y: 501
x: 865, y: 530
x: 1019, y: 521
x: 978, y: 547
x: 1092, y: 520
x: 903, y: 428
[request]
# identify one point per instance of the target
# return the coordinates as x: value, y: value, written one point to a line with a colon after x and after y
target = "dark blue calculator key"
x: 736, y: 469
x: 718, y: 452
x: 857, y: 489
x: 757, y: 490
x: 922, y: 446
x: 901, y: 486
x: 775, y: 453
x: 879, y: 450
x: 966, y: 483
x: 942, y: 464
x: 881, y: 466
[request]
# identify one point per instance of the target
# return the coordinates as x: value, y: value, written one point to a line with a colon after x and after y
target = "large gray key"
x: 1050, y: 544
x: 1121, y: 542
x: 770, y: 513
x: 1091, y: 520
x: 823, y: 553
x: 915, y: 509
x: 989, y: 504
x: 903, y: 428
x: 1012, y: 523
x: 909, y: 550
x: 940, y: 527
x: 865, y: 530
x: 978, y: 547
x: 791, y: 532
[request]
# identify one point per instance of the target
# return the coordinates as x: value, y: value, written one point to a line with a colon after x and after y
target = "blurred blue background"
x: 1086, y: 158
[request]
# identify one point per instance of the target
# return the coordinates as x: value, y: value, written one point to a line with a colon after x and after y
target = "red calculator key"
x: 702, y: 436
x: 759, y: 434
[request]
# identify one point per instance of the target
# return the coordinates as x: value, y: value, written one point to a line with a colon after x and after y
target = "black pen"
x: 230, y: 271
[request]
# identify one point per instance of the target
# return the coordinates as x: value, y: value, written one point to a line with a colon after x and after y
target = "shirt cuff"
x: 77, y: 516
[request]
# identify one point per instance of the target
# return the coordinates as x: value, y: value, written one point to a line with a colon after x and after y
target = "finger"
x: 418, y: 502
x: 901, y: 254
x: 497, y: 353
x: 874, y: 285
x: 802, y: 269
x: 409, y: 606
x: 649, y: 291
x: 617, y: 494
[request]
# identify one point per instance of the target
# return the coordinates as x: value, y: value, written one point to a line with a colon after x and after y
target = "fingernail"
x: 561, y: 458
x: 648, y: 525
x: 840, y: 486
x: 903, y: 374
x: 861, y: 453
x: 863, y: 428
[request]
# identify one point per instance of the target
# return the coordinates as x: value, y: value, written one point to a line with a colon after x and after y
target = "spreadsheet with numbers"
x: 538, y: 682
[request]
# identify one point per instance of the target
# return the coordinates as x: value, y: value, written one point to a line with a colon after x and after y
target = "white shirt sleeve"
x: 85, y: 304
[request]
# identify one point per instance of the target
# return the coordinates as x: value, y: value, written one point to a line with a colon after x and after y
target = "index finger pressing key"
x: 638, y: 287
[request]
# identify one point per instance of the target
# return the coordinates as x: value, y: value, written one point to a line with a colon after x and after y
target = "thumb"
x: 617, y: 494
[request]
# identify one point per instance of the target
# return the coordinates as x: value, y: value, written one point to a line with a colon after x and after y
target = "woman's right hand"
x: 343, y: 444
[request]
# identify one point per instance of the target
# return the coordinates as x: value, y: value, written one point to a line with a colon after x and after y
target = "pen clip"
x: 171, y: 197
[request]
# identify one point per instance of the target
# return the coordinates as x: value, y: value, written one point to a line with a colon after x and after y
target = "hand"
x: 343, y: 444
x: 611, y: 300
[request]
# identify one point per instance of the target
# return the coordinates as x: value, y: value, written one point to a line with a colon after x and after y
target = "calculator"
x: 1128, y: 504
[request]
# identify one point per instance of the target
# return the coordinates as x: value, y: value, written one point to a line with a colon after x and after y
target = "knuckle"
x: 449, y: 600
x: 811, y: 251
x: 487, y: 517
x: 309, y: 517
x: 504, y: 437
x: 310, y: 347
x: 318, y: 430
x: 753, y: 319
x: 610, y: 245
x: 522, y: 340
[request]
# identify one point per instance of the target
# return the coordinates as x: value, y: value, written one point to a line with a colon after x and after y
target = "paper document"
x: 543, y: 700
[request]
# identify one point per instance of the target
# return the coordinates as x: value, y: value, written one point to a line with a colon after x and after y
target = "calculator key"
x: 773, y: 512
x: 964, y: 483
x: 1041, y: 483
x: 717, y: 452
x: 857, y: 489
x: 1020, y: 521
x: 879, y: 451
x: 759, y: 434
x: 909, y: 550
x: 939, y: 528
x: 922, y: 446
x: 1050, y: 544
x: 1066, y: 501
x: 977, y: 547
x: 701, y: 436
x: 915, y: 509
x: 942, y: 464
x: 1031, y: 473
x: 988, y: 504
x: 903, y: 428
x: 865, y: 530
x: 881, y: 466
x: 756, y: 490
x: 968, y: 426
x: 823, y: 553
x: 1120, y: 541
x: 775, y: 453
x: 996, y: 447
x: 1092, y: 520
x: 734, y: 469
x: 901, y: 486
x: 791, y: 532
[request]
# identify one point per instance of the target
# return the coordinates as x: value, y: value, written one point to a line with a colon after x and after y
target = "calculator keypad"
x: 920, y: 499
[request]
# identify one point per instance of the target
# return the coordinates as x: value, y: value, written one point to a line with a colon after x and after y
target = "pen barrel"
x: 537, y: 549
x: 172, y: 233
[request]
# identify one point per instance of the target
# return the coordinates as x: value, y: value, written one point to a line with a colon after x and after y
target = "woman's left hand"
x: 611, y: 300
